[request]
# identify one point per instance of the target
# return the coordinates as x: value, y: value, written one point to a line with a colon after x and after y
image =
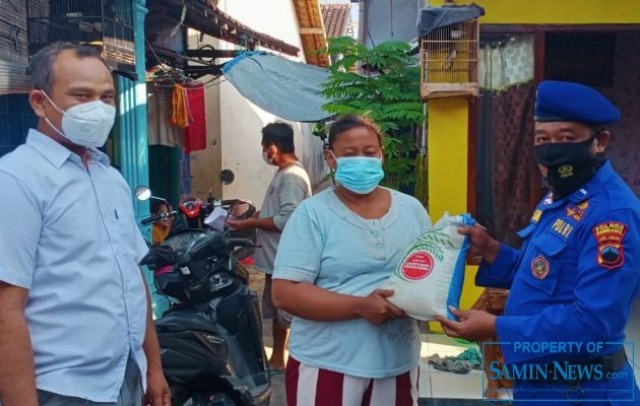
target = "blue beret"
x: 568, y: 101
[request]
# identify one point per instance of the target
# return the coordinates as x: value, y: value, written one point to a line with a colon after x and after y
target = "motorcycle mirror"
x: 142, y: 193
x: 227, y: 176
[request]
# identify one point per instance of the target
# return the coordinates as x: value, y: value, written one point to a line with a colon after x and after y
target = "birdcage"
x: 107, y: 24
x: 449, y: 61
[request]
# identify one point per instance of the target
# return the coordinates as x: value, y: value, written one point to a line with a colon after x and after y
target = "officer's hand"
x: 474, y: 325
x: 482, y: 246
x: 376, y: 309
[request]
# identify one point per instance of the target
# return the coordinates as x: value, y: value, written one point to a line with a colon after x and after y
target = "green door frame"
x: 132, y: 141
x: 132, y: 126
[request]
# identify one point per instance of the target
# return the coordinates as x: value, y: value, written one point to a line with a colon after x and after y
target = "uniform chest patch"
x: 609, y: 236
x: 540, y: 267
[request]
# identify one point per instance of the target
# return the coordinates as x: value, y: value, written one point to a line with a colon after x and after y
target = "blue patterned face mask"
x: 359, y: 174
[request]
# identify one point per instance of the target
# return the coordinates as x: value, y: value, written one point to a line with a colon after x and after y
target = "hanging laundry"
x: 179, y: 107
x: 158, y: 112
x: 195, y: 135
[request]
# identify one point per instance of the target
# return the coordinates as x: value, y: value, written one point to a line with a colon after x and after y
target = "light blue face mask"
x: 359, y: 174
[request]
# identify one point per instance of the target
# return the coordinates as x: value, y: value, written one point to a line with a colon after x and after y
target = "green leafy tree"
x: 388, y: 92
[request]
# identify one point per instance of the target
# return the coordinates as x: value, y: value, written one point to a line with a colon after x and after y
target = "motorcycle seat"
x: 177, y: 321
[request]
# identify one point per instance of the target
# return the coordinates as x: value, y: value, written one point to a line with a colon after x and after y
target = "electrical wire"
x: 161, y: 65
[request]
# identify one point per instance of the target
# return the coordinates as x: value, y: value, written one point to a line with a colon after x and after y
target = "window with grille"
x: 107, y: 24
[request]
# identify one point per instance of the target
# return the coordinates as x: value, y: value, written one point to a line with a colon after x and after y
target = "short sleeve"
x: 293, y: 190
x: 141, y: 245
x: 300, y: 248
x: 424, y: 219
x: 421, y: 214
x: 21, y: 220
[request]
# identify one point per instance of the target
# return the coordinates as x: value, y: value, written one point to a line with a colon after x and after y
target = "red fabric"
x: 329, y: 388
x: 366, y: 399
x: 403, y: 390
x: 292, y: 374
x: 195, y: 135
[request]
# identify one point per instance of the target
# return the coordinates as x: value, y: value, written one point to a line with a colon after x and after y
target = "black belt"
x: 610, y: 363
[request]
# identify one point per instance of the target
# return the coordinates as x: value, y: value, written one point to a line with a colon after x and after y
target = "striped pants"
x: 310, y: 386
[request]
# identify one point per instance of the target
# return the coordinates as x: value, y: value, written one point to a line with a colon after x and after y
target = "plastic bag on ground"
x: 431, y: 274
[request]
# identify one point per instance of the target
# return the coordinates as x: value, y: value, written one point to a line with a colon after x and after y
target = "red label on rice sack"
x: 417, y: 266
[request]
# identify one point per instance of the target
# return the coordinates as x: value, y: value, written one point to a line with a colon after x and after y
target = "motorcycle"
x: 211, y: 337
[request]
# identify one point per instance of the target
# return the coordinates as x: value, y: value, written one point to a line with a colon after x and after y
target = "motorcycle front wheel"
x: 206, y: 399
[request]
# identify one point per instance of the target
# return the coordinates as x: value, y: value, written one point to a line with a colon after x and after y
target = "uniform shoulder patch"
x: 536, y: 216
x: 576, y: 212
x: 610, y: 246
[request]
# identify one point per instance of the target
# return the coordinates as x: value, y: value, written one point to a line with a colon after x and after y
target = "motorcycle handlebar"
x: 240, y: 242
x: 157, y: 217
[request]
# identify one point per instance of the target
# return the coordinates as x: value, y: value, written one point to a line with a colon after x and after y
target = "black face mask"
x: 570, y: 165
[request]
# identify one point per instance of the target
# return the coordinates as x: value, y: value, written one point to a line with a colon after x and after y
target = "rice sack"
x: 430, y: 276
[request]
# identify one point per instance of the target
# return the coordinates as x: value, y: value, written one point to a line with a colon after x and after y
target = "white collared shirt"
x: 69, y: 235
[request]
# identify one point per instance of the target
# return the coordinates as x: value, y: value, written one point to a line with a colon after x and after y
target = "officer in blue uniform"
x: 574, y: 280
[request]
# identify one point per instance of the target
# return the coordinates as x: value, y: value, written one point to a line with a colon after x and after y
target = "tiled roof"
x: 336, y: 19
x: 312, y: 33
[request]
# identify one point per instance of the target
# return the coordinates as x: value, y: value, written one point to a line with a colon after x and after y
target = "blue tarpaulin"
x: 287, y: 89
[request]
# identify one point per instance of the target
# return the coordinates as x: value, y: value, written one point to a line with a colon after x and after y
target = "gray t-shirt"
x: 287, y: 189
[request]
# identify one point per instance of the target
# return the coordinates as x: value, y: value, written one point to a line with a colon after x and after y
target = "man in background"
x: 289, y: 186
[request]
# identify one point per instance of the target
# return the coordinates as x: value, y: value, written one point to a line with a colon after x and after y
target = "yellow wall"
x: 447, y: 148
x: 558, y: 11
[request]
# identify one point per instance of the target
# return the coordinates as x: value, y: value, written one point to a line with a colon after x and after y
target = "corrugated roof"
x: 336, y: 19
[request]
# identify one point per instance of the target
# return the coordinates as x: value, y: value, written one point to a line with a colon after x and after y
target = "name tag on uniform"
x: 562, y: 227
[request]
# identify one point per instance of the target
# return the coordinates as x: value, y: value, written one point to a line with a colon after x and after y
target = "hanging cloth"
x: 158, y: 113
x: 195, y: 135
x: 179, y: 108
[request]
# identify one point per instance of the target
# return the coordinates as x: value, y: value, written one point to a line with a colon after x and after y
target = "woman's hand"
x: 376, y: 309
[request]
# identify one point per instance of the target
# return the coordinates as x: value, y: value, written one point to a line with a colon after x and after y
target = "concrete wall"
x: 206, y: 164
x: 234, y: 124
